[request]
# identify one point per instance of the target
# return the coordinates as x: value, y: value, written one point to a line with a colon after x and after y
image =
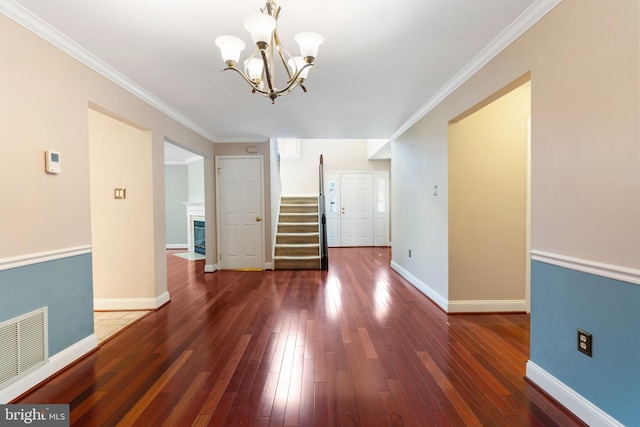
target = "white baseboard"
x: 131, y: 303
x: 268, y: 266
x: 569, y: 398
x: 421, y: 286
x: 162, y: 299
x: 487, y: 306
x: 210, y: 268
x: 184, y: 246
x: 56, y: 363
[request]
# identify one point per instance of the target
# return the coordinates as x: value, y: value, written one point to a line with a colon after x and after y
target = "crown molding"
x: 36, y: 25
x: 525, y: 21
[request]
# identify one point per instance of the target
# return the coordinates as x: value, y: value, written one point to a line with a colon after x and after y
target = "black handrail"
x: 322, y: 212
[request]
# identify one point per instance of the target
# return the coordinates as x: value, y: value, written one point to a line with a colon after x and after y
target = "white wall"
x: 300, y: 176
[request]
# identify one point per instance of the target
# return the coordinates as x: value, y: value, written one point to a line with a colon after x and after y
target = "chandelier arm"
x: 281, y: 49
x: 294, y: 80
x: 246, y: 79
x: 267, y: 71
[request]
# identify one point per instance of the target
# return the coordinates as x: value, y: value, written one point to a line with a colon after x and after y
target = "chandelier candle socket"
x: 259, y: 68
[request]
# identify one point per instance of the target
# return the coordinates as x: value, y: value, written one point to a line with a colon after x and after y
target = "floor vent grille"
x: 23, y: 345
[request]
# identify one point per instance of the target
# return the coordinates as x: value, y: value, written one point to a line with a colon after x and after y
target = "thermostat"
x: 52, y: 162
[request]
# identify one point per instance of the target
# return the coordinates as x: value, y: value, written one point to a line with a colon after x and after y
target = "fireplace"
x: 198, y: 237
x: 195, y: 233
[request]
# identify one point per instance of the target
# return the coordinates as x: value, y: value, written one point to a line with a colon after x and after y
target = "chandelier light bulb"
x: 230, y: 47
x: 296, y: 63
x: 260, y: 26
x: 254, y: 68
x: 309, y: 43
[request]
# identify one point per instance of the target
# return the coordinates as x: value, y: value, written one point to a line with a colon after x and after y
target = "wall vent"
x: 23, y: 346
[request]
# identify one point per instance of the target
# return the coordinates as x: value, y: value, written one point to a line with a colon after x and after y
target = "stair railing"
x: 322, y: 220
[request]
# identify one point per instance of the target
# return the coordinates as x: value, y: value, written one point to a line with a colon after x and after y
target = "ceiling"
x: 381, y: 63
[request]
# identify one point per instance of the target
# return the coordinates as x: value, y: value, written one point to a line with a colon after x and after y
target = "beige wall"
x: 45, y: 95
x: 585, y: 161
x: 300, y: 176
x: 121, y: 230
x: 487, y: 200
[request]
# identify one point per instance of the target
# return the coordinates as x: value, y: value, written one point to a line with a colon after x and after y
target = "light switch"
x: 120, y: 193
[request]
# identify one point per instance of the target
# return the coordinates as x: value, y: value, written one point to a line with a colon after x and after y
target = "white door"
x: 356, y: 197
x: 240, y: 196
x: 332, y: 206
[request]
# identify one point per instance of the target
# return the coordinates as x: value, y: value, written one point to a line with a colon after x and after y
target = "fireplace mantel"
x: 195, y: 212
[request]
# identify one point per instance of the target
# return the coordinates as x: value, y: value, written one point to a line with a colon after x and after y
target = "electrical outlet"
x: 585, y: 343
x: 409, y: 253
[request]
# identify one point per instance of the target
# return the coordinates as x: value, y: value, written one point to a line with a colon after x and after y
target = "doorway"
x: 357, y: 209
x: 184, y: 201
x: 240, y: 196
x: 489, y: 191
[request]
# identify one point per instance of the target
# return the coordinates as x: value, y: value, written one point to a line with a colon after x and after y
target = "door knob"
x: 258, y: 219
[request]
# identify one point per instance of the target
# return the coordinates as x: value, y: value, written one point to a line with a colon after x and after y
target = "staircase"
x: 298, y: 237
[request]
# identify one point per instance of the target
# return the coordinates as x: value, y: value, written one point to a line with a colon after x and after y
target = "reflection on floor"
x: 191, y: 256
x: 108, y: 323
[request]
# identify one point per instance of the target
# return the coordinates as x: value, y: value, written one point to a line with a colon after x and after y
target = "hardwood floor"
x: 354, y: 346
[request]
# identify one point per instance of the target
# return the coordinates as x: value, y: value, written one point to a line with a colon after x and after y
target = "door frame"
x: 219, y: 261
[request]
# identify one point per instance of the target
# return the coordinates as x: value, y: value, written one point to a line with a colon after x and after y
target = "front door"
x: 240, y: 212
x: 356, y: 194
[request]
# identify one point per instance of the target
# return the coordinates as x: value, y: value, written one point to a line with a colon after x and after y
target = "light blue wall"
x: 176, y: 193
x: 563, y: 300
x: 65, y: 286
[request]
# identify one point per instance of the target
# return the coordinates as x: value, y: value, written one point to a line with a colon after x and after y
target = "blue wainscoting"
x: 65, y: 286
x: 563, y: 300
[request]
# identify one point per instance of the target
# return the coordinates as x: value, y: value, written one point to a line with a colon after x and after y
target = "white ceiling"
x: 381, y: 63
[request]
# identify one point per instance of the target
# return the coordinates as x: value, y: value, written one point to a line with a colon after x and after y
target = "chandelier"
x: 259, y: 69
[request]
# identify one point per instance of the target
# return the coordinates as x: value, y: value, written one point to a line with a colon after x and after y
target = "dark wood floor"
x: 354, y: 346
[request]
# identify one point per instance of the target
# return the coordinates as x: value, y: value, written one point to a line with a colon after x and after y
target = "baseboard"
x: 184, y: 246
x: 569, y: 398
x: 268, y: 266
x: 210, y: 268
x: 438, y: 299
x: 131, y: 303
x: 487, y: 306
x: 56, y: 363
x: 162, y: 299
